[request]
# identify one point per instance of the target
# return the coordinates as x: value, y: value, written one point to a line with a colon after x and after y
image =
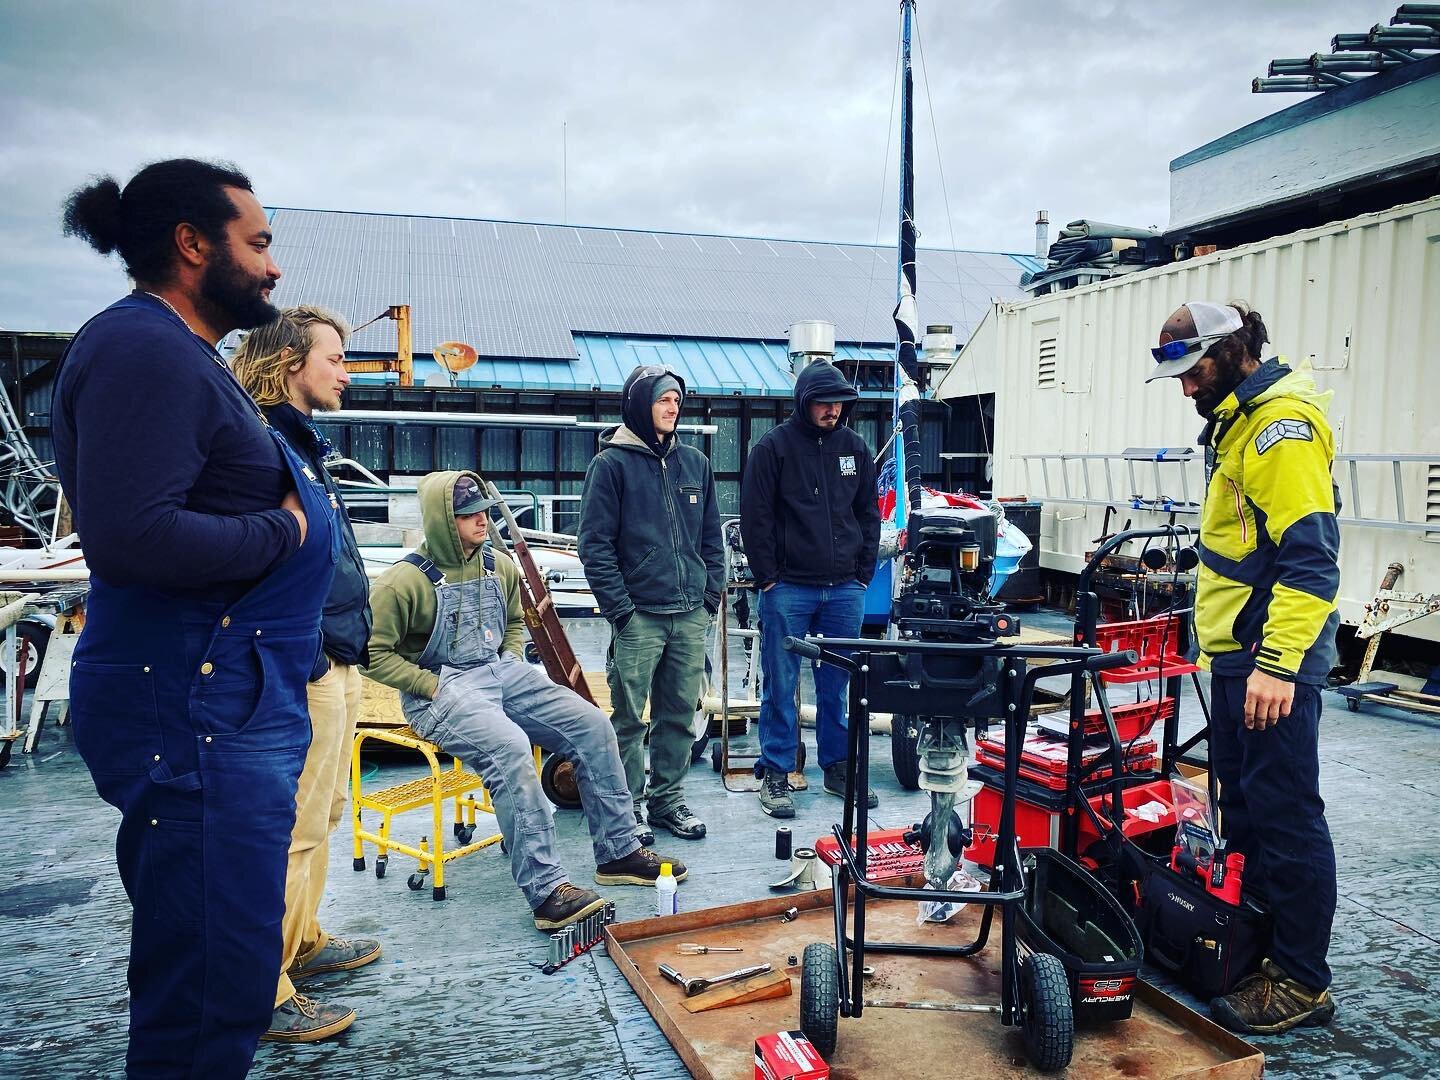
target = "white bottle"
x: 665, y: 892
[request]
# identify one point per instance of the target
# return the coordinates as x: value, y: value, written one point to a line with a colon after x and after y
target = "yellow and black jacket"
x: 1269, y: 542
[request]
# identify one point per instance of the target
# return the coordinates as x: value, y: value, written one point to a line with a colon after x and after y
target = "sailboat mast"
x: 907, y: 369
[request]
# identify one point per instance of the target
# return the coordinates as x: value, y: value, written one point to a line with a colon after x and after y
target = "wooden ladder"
x: 540, y: 616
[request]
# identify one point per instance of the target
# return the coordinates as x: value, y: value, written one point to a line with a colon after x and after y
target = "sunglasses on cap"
x: 1174, y: 350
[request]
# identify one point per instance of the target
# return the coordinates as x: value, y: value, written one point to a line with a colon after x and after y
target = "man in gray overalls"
x: 449, y: 635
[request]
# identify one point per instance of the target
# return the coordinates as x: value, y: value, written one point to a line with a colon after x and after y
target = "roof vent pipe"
x: 1042, y: 233
x: 810, y: 341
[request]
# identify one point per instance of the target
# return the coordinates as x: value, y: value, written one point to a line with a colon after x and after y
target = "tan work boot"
x: 1270, y: 1002
x: 338, y: 954
x: 305, y: 1020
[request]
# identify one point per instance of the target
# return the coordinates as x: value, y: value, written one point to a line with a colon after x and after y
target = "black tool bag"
x: 1207, y: 943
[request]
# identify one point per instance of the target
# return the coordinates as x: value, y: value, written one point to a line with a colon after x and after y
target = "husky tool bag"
x: 1208, y: 944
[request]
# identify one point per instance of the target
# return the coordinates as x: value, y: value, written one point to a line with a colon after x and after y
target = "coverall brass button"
x: 225, y: 621
x: 157, y: 757
x: 206, y: 668
x: 209, y: 738
x: 259, y: 632
x: 147, y: 669
x: 153, y: 821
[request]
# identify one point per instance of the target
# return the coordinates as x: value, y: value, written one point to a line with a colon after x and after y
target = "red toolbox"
x: 1039, y: 810
x: 1043, y: 759
x: 889, y: 854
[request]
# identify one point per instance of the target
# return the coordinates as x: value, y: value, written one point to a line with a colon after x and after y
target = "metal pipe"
x: 1042, y: 233
x: 461, y: 419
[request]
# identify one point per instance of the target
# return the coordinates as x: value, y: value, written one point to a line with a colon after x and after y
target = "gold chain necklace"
x: 214, y: 355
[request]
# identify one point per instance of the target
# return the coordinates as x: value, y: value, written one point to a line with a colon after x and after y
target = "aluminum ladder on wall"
x: 1171, y: 480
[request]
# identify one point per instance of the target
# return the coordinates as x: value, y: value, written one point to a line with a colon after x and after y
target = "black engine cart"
x: 974, y: 683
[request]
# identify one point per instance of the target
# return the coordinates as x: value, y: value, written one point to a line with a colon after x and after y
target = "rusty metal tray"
x: 1162, y: 1039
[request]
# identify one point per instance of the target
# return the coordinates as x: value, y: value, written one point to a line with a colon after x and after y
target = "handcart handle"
x: 1106, y: 661
x: 812, y: 651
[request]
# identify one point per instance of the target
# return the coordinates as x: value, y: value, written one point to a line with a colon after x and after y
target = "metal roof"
x: 523, y: 291
x: 708, y: 366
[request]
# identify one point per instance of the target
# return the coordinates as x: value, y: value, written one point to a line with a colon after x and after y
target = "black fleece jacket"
x: 807, y: 502
x: 649, y: 535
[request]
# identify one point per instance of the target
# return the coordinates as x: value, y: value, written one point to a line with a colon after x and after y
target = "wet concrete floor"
x: 458, y: 990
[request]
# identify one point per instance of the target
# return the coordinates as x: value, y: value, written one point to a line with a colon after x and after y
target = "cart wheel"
x: 532, y: 653
x: 464, y: 833
x: 717, y: 760
x: 438, y: 893
x: 820, y: 996
x: 416, y: 882
x: 359, y: 865
x: 382, y: 863
x: 697, y: 749
x: 905, y: 750
x: 1354, y: 704
x: 557, y: 780
x: 1049, y: 1017
x: 504, y: 847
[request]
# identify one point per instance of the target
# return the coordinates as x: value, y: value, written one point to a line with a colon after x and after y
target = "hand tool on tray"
x: 689, y: 948
x: 697, y: 985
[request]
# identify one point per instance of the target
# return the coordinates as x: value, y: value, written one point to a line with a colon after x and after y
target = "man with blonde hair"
x: 294, y: 367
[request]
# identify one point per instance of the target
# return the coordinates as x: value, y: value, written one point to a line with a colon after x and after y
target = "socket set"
x: 889, y: 853
x: 578, y: 938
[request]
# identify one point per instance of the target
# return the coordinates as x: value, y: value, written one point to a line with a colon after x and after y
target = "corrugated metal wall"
x: 1360, y: 298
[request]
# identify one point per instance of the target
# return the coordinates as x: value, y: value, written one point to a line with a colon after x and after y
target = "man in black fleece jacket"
x: 649, y: 539
x: 811, y: 529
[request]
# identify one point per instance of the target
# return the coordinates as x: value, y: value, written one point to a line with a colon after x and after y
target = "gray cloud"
x: 733, y: 117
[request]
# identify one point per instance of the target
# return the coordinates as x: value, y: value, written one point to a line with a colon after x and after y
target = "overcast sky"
x: 729, y: 116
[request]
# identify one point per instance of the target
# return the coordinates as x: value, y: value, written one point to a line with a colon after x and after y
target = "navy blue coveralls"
x: 190, y: 711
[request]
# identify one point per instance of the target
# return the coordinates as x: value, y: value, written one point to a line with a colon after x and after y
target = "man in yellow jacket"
x: 1265, y: 623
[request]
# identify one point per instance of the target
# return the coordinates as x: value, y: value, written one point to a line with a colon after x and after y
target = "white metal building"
x: 1359, y: 299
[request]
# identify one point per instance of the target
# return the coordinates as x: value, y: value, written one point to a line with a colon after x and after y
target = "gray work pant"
x: 488, y: 716
x: 659, y: 658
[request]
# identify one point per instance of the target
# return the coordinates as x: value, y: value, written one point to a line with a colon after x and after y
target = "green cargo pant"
x: 659, y: 658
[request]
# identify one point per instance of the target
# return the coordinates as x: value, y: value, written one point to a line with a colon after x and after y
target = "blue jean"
x: 797, y: 610
x: 488, y: 716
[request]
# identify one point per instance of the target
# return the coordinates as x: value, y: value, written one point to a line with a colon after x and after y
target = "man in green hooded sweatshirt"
x: 449, y: 635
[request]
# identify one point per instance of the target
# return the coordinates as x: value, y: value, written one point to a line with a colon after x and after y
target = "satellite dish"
x: 455, y: 356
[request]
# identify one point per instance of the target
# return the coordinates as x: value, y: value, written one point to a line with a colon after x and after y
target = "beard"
x: 1224, y: 380
x: 233, y: 297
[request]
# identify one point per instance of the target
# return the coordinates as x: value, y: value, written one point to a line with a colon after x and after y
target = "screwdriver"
x: 689, y: 948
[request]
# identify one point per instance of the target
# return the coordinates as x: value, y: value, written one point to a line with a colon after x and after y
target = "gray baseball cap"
x: 1188, y: 333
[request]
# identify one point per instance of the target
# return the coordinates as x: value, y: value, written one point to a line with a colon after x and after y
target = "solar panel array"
x: 521, y: 291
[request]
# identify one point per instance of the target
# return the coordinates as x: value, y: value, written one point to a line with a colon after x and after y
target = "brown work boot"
x: 1270, y: 1002
x: 304, y: 1020
x: 640, y: 867
x: 567, y: 904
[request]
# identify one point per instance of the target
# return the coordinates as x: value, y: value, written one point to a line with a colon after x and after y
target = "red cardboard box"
x: 788, y: 1055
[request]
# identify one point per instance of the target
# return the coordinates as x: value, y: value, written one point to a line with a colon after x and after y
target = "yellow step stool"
x: 465, y: 789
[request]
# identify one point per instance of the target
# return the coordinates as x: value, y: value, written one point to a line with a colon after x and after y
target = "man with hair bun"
x: 294, y: 367
x: 1265, y: 622
x: 211, y: 548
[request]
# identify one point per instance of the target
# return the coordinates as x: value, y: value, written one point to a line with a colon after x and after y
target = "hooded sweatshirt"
x: 402, y: 600
x: 808, y: 513
x: 649, y: 535
x: 1269, y: 542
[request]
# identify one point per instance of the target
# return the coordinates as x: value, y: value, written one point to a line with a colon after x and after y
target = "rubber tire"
x: 381, y: 865
x: 717, y: 758
x: 1049, y: 1016
x: 905, y: 751
x: 820, y: 996
x: 28, y: 634
x: 416, y: 882
x: 557, y: 780
x: 697, y: 749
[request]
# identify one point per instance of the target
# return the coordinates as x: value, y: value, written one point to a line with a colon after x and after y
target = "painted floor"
x: 458, y: 990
